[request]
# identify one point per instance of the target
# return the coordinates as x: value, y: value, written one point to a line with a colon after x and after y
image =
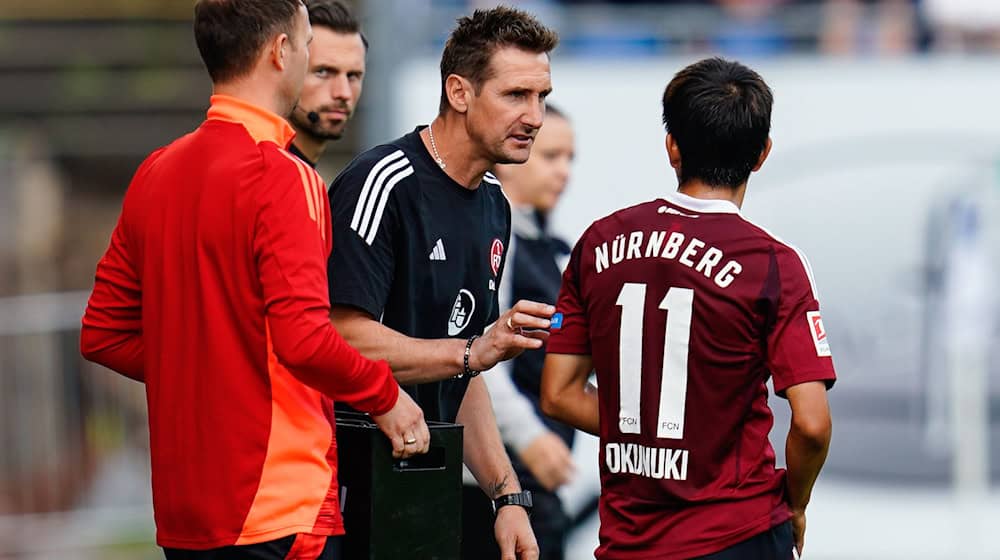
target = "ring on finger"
x: 410, y: 441
x: 510, y: 325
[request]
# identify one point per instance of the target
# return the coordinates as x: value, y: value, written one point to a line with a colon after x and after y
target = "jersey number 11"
x: 678, y: 304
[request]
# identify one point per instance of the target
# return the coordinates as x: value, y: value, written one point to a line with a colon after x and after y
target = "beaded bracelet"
x: 468, y: 351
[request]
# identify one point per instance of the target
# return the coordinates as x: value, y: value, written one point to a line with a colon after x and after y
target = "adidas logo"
x: 438, y: 253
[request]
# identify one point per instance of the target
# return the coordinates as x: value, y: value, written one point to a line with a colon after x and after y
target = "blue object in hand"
x: 556, y: 321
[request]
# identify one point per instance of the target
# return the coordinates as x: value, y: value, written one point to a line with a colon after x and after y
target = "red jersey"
x: 687, y: 308
x: 214, y: 293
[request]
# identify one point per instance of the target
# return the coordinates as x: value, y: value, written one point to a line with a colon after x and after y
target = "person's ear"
x: 763, y: 155
x: 673, y: 152
x: 459, y: 92
x: 278, y: 51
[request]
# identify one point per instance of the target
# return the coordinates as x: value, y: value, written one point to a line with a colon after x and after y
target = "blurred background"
x: 885, y: 171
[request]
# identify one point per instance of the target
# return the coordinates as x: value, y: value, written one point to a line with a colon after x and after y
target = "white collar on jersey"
x: 702, y: 205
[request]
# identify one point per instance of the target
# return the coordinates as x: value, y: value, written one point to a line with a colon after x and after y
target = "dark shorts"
x: 776, y: 544
x: 292, y: 547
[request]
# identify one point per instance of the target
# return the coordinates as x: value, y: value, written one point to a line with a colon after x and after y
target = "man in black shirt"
x: 420, y: 232
x: 332, y: 86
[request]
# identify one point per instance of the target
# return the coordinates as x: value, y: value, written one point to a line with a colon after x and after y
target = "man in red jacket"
x: 214, y: 293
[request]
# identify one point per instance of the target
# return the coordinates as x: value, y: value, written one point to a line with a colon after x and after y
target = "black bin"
x: 395, y: 509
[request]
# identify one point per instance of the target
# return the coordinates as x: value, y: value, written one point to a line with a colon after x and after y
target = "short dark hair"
x: 335, y: 16
x: 231, y: 33
x: 719, y: 113
x: 473, y: 42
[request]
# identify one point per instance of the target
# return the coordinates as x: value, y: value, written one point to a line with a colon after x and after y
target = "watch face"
x: 522, y: 499
x: 525, y: 499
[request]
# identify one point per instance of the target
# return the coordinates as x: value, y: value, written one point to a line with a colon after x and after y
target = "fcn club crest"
x: 496, y: 256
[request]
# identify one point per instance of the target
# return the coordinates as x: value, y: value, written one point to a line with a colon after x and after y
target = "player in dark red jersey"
x: 684, y: 309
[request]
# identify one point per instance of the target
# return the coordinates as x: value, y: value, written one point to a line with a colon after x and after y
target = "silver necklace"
x: 437, y: 156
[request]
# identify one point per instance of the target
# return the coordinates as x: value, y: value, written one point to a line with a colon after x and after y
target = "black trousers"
x: 548, y: 522
x: 776, y: 544
x: 277, y: 549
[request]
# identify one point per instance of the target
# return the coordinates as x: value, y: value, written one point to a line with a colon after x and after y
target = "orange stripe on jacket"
x: 323, y: 202
x: 295, y: 462
x: 306, y: 185
x: 314, y: 183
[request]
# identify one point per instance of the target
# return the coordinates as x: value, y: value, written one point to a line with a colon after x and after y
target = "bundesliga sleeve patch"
x: 557, y: 320
x: 818, y: 333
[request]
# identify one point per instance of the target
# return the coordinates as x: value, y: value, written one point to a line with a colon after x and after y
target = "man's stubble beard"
x: 314, y: 130
x: 500, y: 156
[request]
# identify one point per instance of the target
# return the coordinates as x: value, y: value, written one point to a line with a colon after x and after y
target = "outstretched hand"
x: 523, y: 327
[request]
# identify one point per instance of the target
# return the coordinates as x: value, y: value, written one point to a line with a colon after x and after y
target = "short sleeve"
x: 504, y: 281
x: 365, y: 219
x: 797, y: 347
x: 571, y: 328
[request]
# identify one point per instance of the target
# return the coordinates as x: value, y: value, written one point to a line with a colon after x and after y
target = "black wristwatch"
x: 522, y: 499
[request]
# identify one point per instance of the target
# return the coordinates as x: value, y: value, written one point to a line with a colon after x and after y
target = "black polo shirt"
x: 418, y: 251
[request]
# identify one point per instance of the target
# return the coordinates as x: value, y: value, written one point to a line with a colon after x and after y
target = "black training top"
x: 418, y: 251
